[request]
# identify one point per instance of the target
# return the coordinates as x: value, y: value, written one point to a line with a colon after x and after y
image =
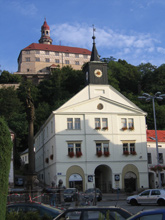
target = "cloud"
x: 24, y: 7
x: 134, y: 47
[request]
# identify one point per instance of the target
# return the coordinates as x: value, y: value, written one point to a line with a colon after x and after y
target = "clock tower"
x: 95, y: 70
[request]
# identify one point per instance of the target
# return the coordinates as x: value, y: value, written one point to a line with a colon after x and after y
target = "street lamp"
x: 148, y: 98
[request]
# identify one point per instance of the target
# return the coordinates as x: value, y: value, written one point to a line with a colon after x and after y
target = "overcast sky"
x: 132, y: 30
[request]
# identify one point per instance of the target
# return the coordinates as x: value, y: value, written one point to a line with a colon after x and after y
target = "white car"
x: 149, y: 196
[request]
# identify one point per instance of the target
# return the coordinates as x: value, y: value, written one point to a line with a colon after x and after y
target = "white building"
x: 97, y: 138
x: 25, y: 156
x: 152, y: 157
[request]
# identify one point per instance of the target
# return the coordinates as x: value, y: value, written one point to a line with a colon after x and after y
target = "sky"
x: 131, y: 30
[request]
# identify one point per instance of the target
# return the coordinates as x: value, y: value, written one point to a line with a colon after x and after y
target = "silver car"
x: 149, y: 196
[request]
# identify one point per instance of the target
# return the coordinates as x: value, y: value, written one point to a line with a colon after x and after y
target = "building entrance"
x: 130, y: 181
x: 75, y: 181
x: 103, y: 178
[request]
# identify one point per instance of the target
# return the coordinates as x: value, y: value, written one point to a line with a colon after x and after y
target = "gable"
x: 88, y: 99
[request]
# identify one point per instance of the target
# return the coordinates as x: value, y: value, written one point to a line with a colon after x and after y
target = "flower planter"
x: 71, y: 154
x: 124, y: 128
x: 105, y: 128
x: 99, y: 153
x: 78, y: 154
x: 97, y: 128
x: 131, y: 128
x: 106, y: 154
x: 126, y: 153
x: 156, y: 168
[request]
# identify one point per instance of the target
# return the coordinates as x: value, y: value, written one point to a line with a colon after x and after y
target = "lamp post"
x: 148, y: 98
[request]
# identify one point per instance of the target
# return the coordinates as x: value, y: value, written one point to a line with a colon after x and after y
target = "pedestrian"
x: 53, y: 198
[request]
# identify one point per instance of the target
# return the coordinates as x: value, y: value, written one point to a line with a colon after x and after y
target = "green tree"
x: 5, y: 157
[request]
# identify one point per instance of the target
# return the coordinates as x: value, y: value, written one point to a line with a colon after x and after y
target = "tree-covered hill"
x: 63, y: 83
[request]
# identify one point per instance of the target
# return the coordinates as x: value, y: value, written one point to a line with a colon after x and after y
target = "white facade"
x: 25, y: 156
x: 94, y: 119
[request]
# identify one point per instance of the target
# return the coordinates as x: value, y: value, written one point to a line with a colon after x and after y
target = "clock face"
x: 98, y: 73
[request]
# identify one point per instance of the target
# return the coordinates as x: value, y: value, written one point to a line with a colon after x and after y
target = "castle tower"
x: 45, y: 34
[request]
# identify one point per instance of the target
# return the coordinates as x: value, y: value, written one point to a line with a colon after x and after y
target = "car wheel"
x: 133, y: 202
x: 161, y: 202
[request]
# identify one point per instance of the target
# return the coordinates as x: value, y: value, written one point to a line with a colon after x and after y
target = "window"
x: 77, y: 123
x: 27, y: 59
x: 97, y: 123
x: 125, y: 147
x: 161, y: 158
x: 77, y: 55
x: 73, y: 123
x: 37, y: 52
x: 77, y: 63
x: 67, y: 54
x: 74, y: 148
x: 130, y: 123
x: 129, y: 148
x: 57, y: 60
x: 101, y: 123
x: 127, y: 123
x: 70, y: 123
x: 124, y: 122
x: 47, y: 60
x: 66, y: 61
x: 149, y: 158
x: 70, y: 147
x: 56, y: 53
x: 27, y: 51
x: 28, y: 70
x: 102, y: 148
x: 104, y: 123
x: 85, y: 56
x: 37, y: 59
x: 78, y: 147
x: 47, y: 52
x: 132, y: 148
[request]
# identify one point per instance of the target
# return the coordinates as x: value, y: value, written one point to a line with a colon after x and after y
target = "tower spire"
x: 45, y: 34
x: 94, y: 54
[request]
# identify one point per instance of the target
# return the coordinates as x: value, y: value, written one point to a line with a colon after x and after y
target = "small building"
x: 97, y: 138
x: 37, y: 60
x: 152, y: 157
x: 25, y: 156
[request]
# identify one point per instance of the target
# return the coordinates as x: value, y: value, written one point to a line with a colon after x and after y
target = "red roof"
x: 151, y: 135
x: 57, y: 48
x: 45, y: 26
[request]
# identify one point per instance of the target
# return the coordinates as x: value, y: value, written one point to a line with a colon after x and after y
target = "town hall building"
x: 96, y: 139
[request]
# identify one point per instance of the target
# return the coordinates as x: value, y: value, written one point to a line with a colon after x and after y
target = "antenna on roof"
x: 60, y: 42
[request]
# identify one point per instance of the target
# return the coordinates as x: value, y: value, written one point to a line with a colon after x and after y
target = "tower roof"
x: 94, y: 55
x: 45, y: 26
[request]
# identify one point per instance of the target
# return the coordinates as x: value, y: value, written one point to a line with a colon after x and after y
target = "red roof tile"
x: 57, y: 48
x: 160, y: 135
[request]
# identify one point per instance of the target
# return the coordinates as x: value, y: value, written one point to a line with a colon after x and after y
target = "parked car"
x: 42, y: 209
x: 70, y: 194
x: 90, y: 194
x: 150, y: 196
x: 94, y: 213
x: 155, y: 214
